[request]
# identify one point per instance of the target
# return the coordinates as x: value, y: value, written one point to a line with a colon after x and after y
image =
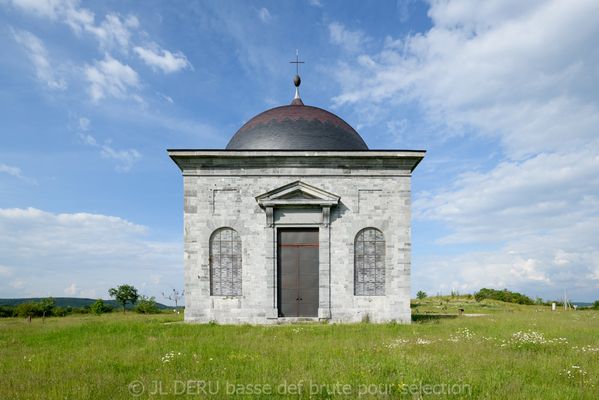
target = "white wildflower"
x: 423, y: 341
x: 168, y: 357
x: 586, y: 349
x: 521, y: 338
x: 396, y: 343
x: 463, y: 334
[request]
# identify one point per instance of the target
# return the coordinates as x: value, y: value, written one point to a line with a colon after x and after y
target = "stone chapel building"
x: 297, y: 219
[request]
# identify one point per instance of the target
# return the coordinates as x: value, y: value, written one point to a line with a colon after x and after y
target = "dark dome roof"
x: 296, y: 127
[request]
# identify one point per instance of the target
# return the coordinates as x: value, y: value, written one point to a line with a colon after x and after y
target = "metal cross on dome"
x: 297, y: 62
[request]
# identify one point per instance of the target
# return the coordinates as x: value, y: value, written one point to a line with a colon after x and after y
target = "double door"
x: 297, y: 268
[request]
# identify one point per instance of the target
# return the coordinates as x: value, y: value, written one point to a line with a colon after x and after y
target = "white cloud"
x: 45, y: 8
x: 16, y: 172
x: 474, y: 16
x: 17, y: 284
x: 315, y: 3
x: 110, y: 77
x: 84, y: 124
x: 517, y: 198
x: 522, y: 74
x: 125, y: 159
x: 51, y: 251
x: 38, y: 55
x: 264, y: 15
x: 351, y: 40
x: 168, y: 99
x: 531, y: 264
x: 71, y: 290
x: 87, y: 139
x: 13, y: 171
x: 164, y: 60
x: 5, y: 271
x: 403, y: 9
x: 398, y: 128
x: 114, y: 32
x: 107, y: 78
x: 78, y: 19
x: 497, y: 75
x: 543, y: 213
x: 84, y: 127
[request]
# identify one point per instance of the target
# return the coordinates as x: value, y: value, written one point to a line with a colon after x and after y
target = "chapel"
x: 296, y: 219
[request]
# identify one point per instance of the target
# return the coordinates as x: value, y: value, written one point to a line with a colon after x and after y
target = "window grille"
x: 369, y: 263
x: 225, y: 263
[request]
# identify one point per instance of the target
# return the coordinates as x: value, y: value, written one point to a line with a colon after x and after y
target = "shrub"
x: 28, y: 310
x: 503, y: 295
x: 99, y: 307
x: 44, y: 308
x: 539, y: 301
x: 421, y: 295
x: 7, y: 311
x: 147, y: 305
x: 60, y: 311
x: 47, y: 306
x: 595, y: 305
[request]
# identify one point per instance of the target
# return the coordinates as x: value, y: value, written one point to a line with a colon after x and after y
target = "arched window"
x: 225, y: 263
x: 369, y: 263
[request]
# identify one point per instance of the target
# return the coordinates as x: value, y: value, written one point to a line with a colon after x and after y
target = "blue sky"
x: 503, y: 95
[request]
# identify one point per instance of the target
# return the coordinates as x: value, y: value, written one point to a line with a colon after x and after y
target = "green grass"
x: 451, y: 305
x: 90, y: 357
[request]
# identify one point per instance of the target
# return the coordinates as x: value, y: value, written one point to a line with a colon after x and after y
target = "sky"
x: 503, y: 95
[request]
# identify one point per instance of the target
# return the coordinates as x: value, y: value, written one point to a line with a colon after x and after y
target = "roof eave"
x: 177, y: 155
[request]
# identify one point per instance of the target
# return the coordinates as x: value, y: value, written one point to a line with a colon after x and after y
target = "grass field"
x: 515, y: 352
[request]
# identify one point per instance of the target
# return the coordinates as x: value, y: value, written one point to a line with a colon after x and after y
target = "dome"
x: 296, y: 127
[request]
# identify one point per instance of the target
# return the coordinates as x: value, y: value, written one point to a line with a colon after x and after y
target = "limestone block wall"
x: 217, y: 196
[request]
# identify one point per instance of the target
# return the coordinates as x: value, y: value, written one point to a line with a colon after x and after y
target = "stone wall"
x: 222, y: 194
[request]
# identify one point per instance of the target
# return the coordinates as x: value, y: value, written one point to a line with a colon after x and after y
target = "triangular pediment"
x: 297, y: 193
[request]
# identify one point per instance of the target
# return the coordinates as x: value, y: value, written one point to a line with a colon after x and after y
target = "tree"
x: 60, y: 312
x: 99, y: 307
x: 28, y: 310
x: 124, y: 294
x: 147, y: 305
x: 595, y: 305
x: 47, y: 306
x: 539, y: 301
x: 7, y: 312
x: 421, y: 295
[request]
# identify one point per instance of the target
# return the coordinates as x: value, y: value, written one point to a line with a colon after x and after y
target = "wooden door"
x: 297, y: 267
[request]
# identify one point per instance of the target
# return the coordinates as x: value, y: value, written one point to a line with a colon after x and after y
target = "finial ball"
x: 297, y: 80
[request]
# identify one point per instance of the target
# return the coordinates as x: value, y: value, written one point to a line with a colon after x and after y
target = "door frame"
x: 298, y: 194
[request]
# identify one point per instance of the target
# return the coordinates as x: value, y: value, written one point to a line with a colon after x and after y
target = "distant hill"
x: 581, y: 304
x: 75, y: 302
